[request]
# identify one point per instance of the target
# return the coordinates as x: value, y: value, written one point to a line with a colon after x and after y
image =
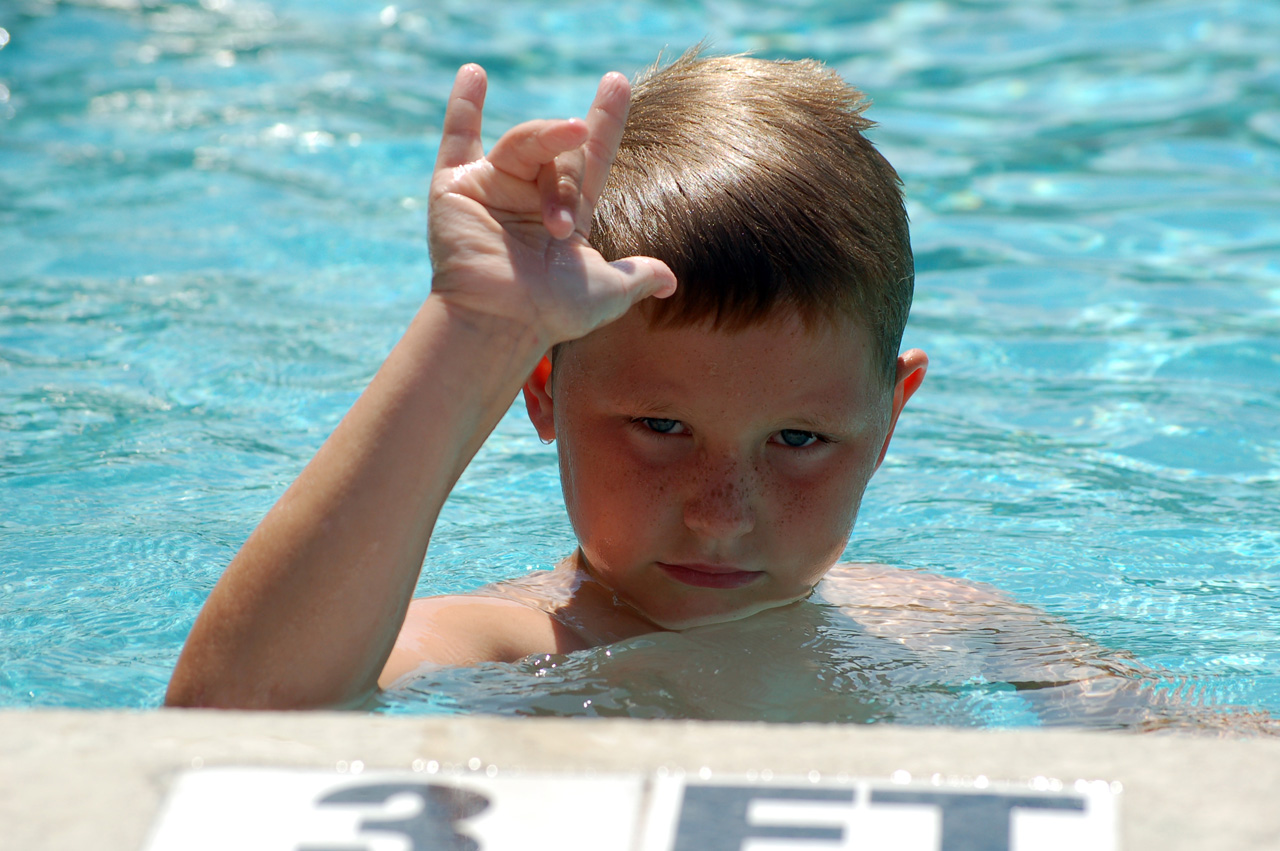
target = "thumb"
x: 642, y: 277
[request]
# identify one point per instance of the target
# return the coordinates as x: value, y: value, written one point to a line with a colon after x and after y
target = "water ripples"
x: 211, y: 231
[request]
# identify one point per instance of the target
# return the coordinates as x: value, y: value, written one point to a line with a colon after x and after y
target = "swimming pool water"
x: 211, y: 231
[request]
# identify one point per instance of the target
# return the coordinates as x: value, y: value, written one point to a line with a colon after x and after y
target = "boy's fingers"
x: 643, y: 277
x: 460, y: 140
x: 559, y: 186
x: 526, y: 148
x: 605, y: 121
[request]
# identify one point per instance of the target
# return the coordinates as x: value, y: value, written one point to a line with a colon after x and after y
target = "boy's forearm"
x: 309, y: 609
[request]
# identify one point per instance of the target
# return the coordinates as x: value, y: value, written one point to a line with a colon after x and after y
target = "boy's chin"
x: 680, y: 621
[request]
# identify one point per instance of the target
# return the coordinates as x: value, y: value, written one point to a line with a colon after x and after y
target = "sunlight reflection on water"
x: 213, y: 231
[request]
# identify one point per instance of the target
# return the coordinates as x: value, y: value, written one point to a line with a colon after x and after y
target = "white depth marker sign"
x: 263, y: 809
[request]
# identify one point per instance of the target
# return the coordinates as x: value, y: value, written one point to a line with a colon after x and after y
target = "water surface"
x: 211, y: 232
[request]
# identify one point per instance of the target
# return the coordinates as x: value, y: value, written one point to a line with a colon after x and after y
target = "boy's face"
x: 710, y: 475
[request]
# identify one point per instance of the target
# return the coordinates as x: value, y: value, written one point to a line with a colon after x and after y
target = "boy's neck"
x: 592, y: 609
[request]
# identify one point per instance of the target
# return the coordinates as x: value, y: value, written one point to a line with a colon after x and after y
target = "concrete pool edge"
x: 97, y: 779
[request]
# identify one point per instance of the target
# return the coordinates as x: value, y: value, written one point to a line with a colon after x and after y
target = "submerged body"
x: 872, y: 644
x: 568, y: 609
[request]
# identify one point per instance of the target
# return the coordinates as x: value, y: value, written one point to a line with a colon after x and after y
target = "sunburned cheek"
x: 614, y: 481
x: 821, y: 510
x: 803, y: 509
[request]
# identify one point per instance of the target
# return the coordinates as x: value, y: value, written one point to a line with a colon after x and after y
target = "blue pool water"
x: 211, y: 232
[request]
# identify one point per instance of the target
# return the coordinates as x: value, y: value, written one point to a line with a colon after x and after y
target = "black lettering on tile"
x: 430, y: 829
x: 714, y: 818
x: 976, y: 821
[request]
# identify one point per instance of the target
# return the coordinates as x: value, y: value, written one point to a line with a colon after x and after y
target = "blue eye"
x: 659, y: 425
x: 797, y: 439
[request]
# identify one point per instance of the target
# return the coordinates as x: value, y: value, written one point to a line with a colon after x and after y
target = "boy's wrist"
x: 508, y: 334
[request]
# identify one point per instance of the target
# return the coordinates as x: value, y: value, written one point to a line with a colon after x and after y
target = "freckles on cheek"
x: 646, y: 485
x: 797, y: 505
x: 609, y: 480
x: 823, y: 511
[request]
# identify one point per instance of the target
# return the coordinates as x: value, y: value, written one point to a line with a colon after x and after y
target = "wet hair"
x: 752, y: 180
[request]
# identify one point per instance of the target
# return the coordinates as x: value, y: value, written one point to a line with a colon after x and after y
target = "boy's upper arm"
x: 467, y: 630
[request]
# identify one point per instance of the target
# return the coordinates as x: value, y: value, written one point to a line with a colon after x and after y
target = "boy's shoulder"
x: 930, y: 613
x: 951, y: 620
x: 875, y: 586
x: 467, y: 629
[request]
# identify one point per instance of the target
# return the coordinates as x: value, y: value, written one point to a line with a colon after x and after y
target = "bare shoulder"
x: 882, y: 586
x: 976, y: 634
x: 928, y: 612
x: 936, y: 614
x: 462, y: 630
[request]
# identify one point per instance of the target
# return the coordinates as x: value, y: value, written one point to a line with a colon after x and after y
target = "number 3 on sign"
x: 431, y: 828
x: 257, y: 809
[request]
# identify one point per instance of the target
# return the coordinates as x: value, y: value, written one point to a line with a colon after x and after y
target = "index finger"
x: 460, y: 139
x: 605, y: 123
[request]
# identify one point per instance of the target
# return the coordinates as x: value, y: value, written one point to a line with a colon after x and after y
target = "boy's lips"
x: 710, y: 575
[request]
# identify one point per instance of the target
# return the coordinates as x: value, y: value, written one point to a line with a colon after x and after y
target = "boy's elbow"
x: 177, y: 697
x: 197, y: 693
x: 194, y: 693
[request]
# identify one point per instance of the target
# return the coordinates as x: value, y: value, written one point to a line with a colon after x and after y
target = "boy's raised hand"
x: 508, y: 231
x: 308, y: 612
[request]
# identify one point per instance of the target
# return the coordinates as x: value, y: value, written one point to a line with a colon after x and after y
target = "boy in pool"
x: 721, y: 282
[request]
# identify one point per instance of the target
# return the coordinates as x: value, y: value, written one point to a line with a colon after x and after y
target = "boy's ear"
x: 912, y: 365
x: 537, y: 400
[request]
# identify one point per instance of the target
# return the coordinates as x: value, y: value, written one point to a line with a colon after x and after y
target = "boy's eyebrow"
x: 647, y: 405
x: 841, y: 424
x: 803, y: 423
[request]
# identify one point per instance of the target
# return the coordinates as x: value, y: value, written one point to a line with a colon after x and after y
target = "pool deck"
x: 98, y: 779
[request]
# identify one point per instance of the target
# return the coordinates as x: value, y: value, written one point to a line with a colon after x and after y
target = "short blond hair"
x: 752, y: 180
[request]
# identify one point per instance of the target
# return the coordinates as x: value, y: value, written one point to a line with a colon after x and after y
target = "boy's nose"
x: 721, y: 502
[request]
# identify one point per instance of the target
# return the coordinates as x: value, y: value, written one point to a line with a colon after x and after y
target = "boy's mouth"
x: 710, y: 575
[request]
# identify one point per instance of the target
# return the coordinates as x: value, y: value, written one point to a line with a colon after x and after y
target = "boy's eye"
x: 797, y: 439
x: 661, y: 426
